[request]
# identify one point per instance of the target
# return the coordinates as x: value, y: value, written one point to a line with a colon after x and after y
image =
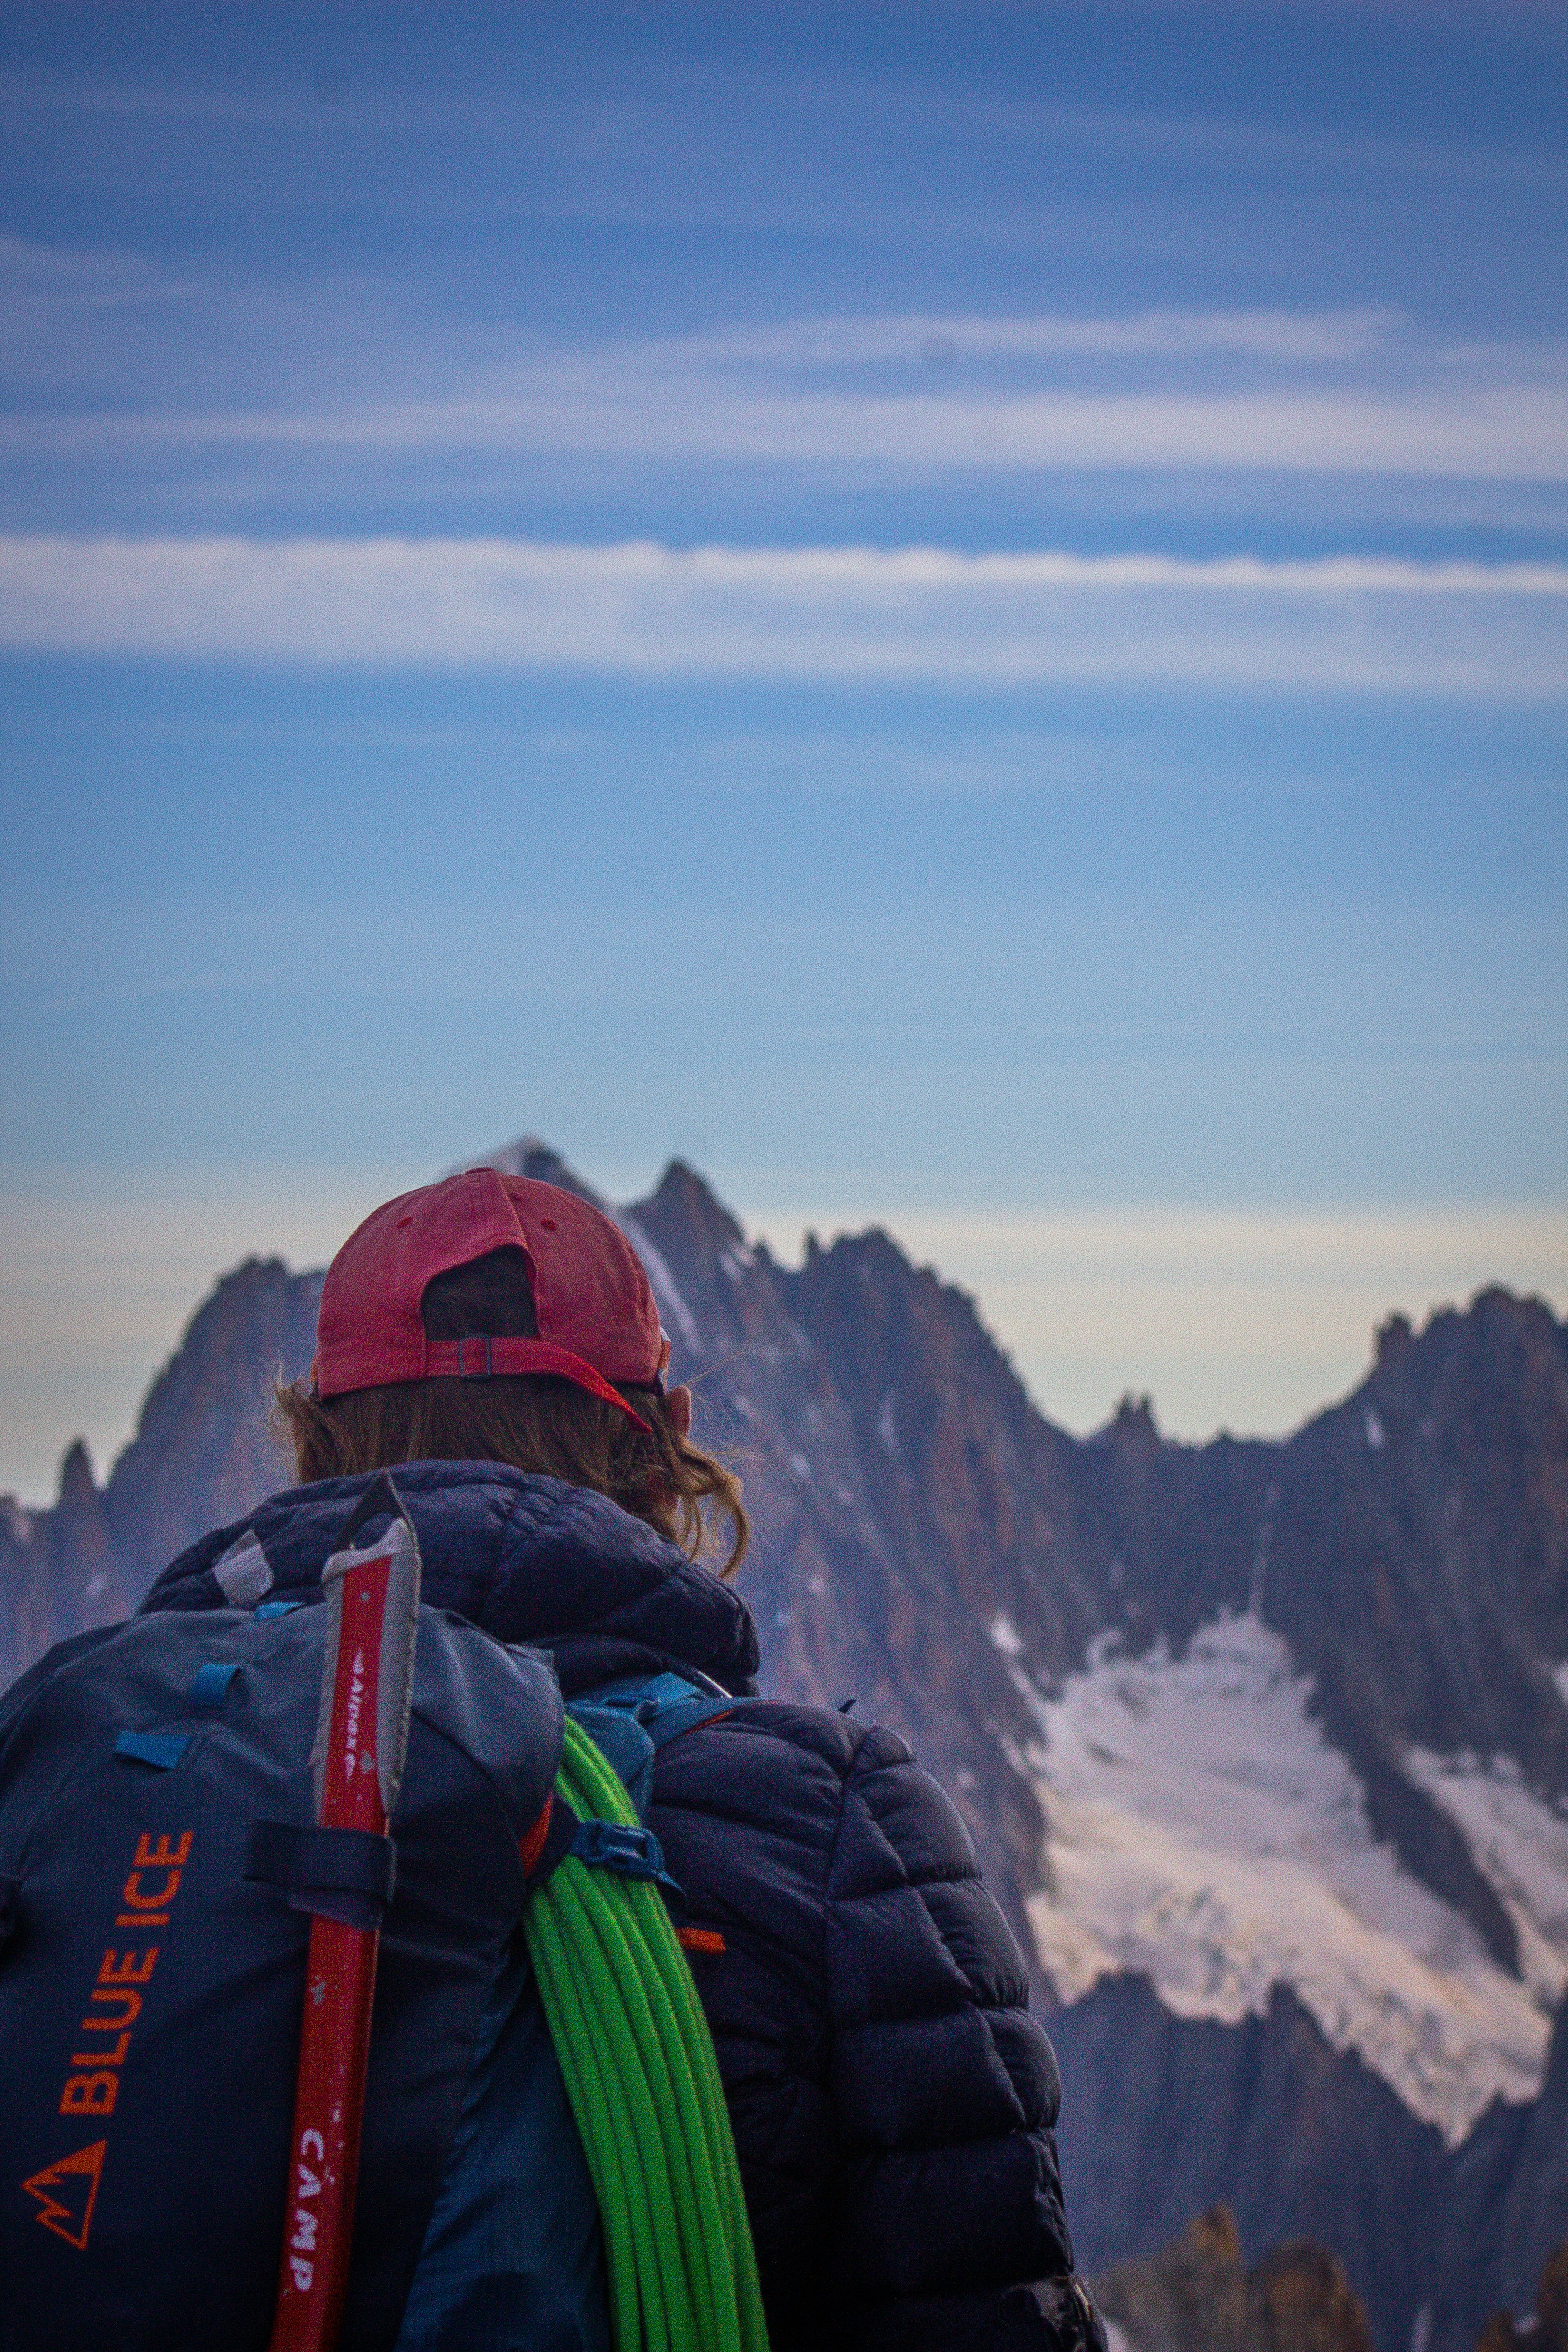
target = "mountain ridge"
x: 931, y: 1545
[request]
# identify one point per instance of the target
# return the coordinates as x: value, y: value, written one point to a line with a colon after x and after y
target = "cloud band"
x: 844, y: 616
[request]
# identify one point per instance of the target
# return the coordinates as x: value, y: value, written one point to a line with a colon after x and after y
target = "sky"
x: 956, y: 613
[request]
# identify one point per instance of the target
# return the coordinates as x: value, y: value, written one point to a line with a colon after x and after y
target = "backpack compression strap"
x: 637, y: 2059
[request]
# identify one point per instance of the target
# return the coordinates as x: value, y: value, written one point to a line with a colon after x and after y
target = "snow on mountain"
x: 1521, y: 1845
x: 1203, y: 1831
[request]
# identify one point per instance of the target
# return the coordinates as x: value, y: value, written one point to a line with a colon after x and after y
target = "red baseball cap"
x: 597, y: 1321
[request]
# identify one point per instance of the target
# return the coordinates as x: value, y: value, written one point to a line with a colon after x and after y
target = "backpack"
x: 160, y: 1869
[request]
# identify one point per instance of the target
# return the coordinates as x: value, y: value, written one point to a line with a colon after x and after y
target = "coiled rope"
x: 637, y: 2060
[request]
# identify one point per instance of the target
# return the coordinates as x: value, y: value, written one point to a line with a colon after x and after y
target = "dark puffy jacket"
x: 892, y: 2099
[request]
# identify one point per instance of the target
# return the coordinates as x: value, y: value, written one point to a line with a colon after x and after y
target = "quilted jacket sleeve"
x: 948, y: 2223
x: 891, y: 2097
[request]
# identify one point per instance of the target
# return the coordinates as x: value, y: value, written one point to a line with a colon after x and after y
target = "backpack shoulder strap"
x: 664, y: 1706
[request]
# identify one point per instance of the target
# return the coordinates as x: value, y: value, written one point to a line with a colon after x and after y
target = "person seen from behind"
x: 494, y: 1342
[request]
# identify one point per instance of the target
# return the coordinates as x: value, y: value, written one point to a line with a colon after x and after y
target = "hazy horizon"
x: 1230, y: 1321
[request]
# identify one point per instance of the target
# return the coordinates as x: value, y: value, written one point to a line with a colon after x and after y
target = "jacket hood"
x: 527, y: 1559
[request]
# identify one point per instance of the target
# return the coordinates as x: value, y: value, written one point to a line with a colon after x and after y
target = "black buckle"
x: 475, y: 1339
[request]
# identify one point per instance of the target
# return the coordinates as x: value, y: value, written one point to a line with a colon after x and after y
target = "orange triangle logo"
x: 67, y: 2191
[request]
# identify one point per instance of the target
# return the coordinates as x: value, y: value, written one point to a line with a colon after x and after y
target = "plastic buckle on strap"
x: 475, y: 1339
x: 627, y: 1853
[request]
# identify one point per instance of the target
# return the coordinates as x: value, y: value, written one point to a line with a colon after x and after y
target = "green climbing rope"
x: 639, y: 2064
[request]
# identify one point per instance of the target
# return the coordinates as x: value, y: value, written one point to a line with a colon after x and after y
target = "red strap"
x: 532, y: 1846
x: 484, y: 1358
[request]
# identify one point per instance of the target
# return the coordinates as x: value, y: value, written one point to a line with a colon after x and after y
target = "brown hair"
x: 537, y: 1423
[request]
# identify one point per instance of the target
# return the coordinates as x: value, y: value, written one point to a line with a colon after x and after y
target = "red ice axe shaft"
x: 361, y: 1734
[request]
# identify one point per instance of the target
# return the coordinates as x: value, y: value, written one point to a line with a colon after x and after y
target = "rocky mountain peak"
x: 1418, y: 1548
x: 85, y: 1557
x: 1390, y: 1341
x: 537, y: 1161
x: 78, y: 1490
x: 1135, y: 1433
x: 204, y: 1449
x: 690, y: 1227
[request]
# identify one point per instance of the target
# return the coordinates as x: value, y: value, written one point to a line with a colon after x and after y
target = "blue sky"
x: 956, y: 613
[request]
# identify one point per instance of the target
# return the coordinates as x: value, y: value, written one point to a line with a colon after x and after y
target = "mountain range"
x: 1264, y: 1744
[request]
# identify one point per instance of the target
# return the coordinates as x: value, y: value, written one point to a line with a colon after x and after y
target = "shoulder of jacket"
x: 840, y: 1739
x: 785, y: 1767
x: 815, y: 1776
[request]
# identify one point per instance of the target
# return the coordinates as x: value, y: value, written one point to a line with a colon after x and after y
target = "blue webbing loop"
x: 209, y: 1685
x: 162, y: 1748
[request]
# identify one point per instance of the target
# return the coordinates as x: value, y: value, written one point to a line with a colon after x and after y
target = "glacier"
x: 1204, y: 1832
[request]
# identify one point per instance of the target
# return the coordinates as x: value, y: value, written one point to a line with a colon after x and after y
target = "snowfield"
x: 1203, y: 1831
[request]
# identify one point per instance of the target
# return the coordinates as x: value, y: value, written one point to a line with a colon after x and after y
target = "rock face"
x: 1291, y: 2134
x: 1509, y: 2202
x: 1419, y: 1570
x: 1303, y: 1942
x: 1190, y: 2297
x: 60, y: 1570
x: 204, y: 1452
x: 1198, y: 2296
x: 204, y: 1449
x: 1546, y: 2330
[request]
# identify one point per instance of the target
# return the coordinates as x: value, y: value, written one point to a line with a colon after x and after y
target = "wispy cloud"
x: 82, y: 275
x: 882, y: 396
x: 944, y: 339
x: 847, y: 615
x: 633, y: 137
x: 1501, y: 433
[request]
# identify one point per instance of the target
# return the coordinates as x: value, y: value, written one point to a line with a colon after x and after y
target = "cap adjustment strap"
x: 505, y: 1356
